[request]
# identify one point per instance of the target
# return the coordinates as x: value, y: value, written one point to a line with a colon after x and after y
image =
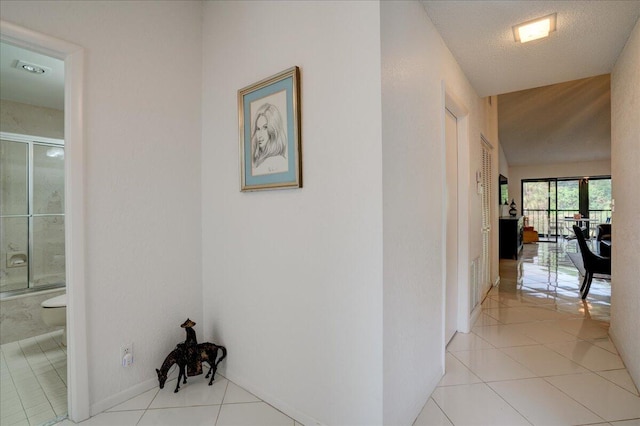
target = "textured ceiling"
x: 561, y: 123
x: 550, y: 109
x: 590, y: 35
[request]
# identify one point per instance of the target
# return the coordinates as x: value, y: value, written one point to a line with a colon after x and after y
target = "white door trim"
x: 451, y: 299
x: 73, y: 57
x: 451, y: 102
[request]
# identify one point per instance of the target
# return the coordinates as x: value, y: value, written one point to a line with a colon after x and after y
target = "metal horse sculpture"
x: 189, y: 357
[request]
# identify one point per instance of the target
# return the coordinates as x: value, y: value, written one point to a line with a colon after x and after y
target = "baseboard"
x: 147, y: 385
x: 271, y: 400
x: 623, y: 356
x: 474, y: 316
x: 478, y: 309
x: 127, y: 394
x: 123, y: 396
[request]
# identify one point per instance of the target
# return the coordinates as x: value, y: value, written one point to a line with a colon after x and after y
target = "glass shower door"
x: 32, y: 252
x: 47, y: 219
x: 14, y: 215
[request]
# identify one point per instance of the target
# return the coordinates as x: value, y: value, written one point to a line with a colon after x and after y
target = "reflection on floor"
x: 33, y: 380
x: 538, y: 354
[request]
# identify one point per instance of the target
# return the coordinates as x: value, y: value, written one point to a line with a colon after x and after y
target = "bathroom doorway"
x: 72, y: 56
x: 32, y: 236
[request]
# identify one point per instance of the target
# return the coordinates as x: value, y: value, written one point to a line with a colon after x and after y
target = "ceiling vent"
x: 32, y: 68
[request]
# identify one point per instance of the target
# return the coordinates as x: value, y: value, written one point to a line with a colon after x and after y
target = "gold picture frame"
x: 269, y: 130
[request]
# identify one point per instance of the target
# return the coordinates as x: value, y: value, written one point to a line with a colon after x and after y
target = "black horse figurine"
x: 189, y: 357
x: 207, y: 352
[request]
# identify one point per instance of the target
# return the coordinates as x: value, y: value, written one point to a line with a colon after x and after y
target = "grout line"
x: 16, y: 390
x: 542, y: 306
x: 507, y: 402
x: 572, y: 398
x: 26, y: 350
x: 222, y: 402
x: 611, y: 381
x: 440, y: 408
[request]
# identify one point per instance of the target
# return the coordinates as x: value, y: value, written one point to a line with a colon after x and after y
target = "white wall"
x: 299, y: 306
x: 517, y: 173
x: 625, y: 157
x: 415, y: 62
x: 503, y: 164
x: 142, y: 153
x: 293, y: 278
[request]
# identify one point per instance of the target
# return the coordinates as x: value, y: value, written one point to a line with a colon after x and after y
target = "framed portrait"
x: 269, y: 127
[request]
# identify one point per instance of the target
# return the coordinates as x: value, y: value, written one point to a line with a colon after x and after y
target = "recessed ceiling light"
x: 535, y: 29
x: 32, y: 68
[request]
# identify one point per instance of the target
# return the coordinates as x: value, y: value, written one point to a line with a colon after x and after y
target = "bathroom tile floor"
x: 538, y: 354
x: 33, y: 375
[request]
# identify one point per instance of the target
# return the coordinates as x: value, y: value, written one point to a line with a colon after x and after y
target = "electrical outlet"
x: 126, y: 355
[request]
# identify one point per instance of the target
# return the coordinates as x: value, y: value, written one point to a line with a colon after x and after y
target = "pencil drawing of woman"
x: 268, y: 142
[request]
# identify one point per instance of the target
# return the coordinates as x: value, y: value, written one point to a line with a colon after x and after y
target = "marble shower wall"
x: 24, y: 119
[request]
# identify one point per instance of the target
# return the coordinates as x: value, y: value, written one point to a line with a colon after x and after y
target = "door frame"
x: 452, y: 103
x: 449, y: 220
x: 73, y: 57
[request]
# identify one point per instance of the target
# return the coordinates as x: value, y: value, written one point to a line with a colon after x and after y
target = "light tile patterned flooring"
x: 33, y: 375
x: 224, y: 403
x: 538, y: 355
x: 34, y: 393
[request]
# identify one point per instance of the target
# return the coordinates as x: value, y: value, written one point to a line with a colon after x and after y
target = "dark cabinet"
x: 511, y: 231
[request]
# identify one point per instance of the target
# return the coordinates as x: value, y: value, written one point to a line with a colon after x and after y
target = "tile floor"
x: 538, y: 354
x: 33, y: 375
x: 34, y: 392
x: 224, y: 403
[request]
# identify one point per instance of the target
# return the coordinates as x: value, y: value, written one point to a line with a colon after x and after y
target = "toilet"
x: 54, y: 313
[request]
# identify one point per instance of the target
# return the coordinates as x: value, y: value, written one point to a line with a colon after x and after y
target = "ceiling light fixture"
x: 535, y: 29
x: 32, y: 68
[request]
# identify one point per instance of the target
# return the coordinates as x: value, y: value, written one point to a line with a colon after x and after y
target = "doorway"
x: 451, y: 215
x: 73, y: 57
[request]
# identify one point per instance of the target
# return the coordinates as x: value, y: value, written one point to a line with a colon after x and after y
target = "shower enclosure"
x: 32, y: 237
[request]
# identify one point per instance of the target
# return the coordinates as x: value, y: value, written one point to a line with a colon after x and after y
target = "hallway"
x: 538, y: 354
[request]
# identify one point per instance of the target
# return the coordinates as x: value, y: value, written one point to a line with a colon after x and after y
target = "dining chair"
x: 593, y: 263
x: 567, y: 232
